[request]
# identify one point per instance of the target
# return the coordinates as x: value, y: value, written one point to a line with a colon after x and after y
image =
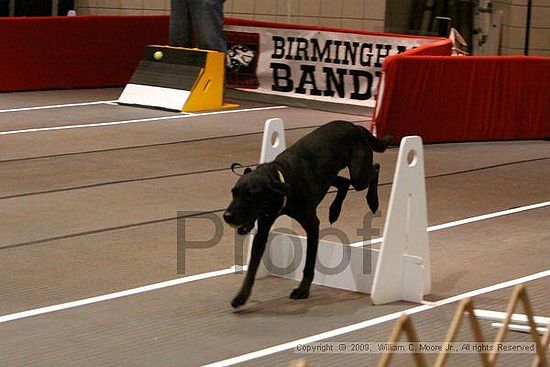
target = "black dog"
x: 296, y: 182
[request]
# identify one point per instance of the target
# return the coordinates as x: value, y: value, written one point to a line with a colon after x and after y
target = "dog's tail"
x: 378, y: 145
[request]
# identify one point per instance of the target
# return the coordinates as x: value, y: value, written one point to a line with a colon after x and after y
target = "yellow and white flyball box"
x: 179, y: 79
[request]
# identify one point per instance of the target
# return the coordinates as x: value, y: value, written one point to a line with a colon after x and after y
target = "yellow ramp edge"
x: 208, y: 90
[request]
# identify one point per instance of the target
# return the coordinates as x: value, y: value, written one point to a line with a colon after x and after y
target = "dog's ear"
x: 236, y: 165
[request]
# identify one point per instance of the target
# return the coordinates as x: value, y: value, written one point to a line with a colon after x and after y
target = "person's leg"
x: 207, y: 18
x: 181, y: 30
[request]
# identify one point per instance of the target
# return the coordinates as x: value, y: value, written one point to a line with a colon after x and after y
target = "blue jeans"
x: 203, y: 18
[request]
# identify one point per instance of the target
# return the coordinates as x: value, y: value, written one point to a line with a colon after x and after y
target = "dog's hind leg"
x: 372, y: 193
x: 364, y: 174
x: 258, y: 247
x: 342, y: 184
x: 360, y: 168
x: 311, y: 226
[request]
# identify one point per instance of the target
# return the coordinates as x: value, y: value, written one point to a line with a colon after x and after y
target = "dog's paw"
x: 373, y: 203
x: 299, y: 293
x: 245, y: 228
x: 239, y: 300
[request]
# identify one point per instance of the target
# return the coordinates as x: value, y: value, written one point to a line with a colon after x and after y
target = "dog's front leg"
x: 311, y: 226
x: 258, y: 247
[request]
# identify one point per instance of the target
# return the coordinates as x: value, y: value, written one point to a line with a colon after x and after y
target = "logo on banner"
x: 238, y: 57
x: 242, y: 59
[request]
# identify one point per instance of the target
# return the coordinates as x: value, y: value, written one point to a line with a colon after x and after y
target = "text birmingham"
x: 330, y: 52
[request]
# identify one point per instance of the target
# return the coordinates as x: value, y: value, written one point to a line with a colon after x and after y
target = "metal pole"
x: 527, y: 28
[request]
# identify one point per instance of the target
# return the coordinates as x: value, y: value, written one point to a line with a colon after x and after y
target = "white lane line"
x: 364, y: 324
x: 516, y: 317
x: 192, y: 278
x: 137, y: 121
x: 488, y: 216
x: 21, y: 109
x: 464, y: 221
x: 519, y: 328
x: 110, y: 296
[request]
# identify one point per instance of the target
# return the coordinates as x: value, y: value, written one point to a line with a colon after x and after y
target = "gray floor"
x: 91, y: 210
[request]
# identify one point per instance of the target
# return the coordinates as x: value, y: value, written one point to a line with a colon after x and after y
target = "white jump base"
x: 519, y: 322
x: 399, y: 270
x: 358, y: 275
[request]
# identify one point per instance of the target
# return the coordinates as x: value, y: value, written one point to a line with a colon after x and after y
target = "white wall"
x: 514, y: 20
x: 354, y: 14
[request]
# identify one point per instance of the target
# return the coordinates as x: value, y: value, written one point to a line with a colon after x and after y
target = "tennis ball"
x: 158, y: 55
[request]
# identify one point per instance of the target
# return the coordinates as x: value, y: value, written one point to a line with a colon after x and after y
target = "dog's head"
x: 257, y: 193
